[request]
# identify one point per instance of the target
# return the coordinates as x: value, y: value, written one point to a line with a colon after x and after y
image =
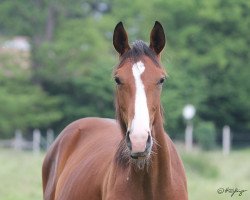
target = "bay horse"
x: 131, y: 158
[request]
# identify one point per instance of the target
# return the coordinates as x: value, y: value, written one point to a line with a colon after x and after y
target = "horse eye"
x: 118, y: 81
x: 161, y: 81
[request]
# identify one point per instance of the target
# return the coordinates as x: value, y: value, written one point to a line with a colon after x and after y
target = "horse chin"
x: 141, y: 163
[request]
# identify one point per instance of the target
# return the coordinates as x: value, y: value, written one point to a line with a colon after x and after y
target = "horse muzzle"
x: 140, y: 145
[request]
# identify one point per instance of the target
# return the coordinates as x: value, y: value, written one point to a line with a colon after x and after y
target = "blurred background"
x: 56, y: 62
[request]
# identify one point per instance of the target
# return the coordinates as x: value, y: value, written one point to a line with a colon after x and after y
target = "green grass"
x: 209, y: 171
x: 20, y: 174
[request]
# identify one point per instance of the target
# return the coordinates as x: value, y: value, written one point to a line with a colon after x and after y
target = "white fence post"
x: 50, y: 138
x: 36, y: 141
x: 189, y: 136
x: 226, y: 140
x: 18, y: 141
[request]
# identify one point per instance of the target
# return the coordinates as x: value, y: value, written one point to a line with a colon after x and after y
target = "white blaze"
x: 139, y: 129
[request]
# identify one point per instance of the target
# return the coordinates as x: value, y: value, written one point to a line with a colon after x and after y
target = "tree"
x: 72, y: 55
x: 23, y: 105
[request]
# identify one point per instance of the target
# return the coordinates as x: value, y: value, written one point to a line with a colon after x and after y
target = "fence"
x: 36, y: 145
x: 40, y: 142
x: 226, y: 139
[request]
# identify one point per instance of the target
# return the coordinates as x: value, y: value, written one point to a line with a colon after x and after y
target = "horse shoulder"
x: 73, y: 137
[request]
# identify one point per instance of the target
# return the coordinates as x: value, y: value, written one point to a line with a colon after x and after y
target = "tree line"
x: 71, y: 60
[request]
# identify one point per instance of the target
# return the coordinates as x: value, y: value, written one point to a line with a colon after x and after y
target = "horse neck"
x: 161, y: 158
x: 158, y: 173
x: 150, y: 182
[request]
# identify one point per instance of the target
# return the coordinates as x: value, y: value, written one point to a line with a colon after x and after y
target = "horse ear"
x: 120, y: 39
x: 157, y: 38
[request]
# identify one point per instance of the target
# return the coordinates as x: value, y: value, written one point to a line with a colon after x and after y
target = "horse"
x: 130, y: 158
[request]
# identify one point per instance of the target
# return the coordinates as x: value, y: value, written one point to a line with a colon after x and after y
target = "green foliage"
x: 205, y: 134
x: 23, y: 105
x: 207, y: 56
x: 77, y: 73
x: 208, y: 45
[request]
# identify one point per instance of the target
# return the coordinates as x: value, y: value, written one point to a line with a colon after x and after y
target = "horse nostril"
x: 149, y: 142
x: 128, y: 140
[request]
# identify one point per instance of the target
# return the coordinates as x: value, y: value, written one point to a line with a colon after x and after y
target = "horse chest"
x: 78, y: 186
x: 123, y: 185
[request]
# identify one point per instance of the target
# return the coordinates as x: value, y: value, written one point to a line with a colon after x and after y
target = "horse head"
x: 139, y: 77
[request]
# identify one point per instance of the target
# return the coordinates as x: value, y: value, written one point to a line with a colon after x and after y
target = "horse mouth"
x: 139, y: 155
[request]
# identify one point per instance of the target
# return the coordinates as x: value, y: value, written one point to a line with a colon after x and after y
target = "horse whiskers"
x: 156, y: 142
x: 153, y: 152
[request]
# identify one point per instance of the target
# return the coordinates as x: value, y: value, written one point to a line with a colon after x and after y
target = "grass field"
x: 20, y: 175
x: 210, y: 171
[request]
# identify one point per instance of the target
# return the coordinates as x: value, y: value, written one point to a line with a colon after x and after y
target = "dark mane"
x: 139, y: 49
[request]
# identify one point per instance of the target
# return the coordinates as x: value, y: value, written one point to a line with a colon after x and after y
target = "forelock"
x: 138, y: 50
